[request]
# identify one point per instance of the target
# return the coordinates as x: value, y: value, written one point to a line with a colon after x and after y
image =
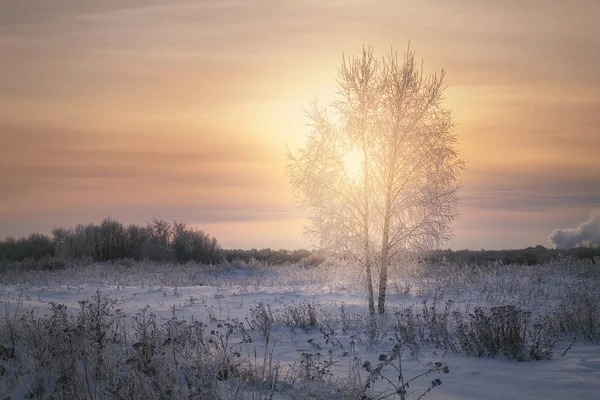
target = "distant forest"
x: 111, y: 240
x: 528, y: 256
x: 157, y: 240
x: 160, y: 240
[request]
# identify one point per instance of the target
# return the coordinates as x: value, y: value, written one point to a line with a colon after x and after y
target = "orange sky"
x: 183, y: 109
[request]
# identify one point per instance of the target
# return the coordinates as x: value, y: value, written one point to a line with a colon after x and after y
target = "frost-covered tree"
x: 378, y: 176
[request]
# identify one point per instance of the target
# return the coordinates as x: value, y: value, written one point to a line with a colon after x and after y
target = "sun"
x: 353, y: 164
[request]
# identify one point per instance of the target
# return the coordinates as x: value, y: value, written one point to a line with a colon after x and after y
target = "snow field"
x: 292, y: 332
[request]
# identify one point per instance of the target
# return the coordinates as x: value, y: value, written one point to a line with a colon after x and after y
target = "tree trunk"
x: 370, y: 294
x: 385, y: 247
x: 383, y: 275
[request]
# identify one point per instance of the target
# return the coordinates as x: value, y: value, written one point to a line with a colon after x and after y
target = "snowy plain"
x: 218, y: 295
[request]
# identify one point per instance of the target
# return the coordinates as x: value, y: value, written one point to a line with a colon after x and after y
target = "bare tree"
x: 401, y: 194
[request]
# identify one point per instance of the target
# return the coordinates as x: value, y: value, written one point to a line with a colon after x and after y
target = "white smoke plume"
x: 587, y: 232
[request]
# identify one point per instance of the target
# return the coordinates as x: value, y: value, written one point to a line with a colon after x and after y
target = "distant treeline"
x: 160, y: 240
x: 272, y: 257
x: 111, y: 240
x: 528, y: 256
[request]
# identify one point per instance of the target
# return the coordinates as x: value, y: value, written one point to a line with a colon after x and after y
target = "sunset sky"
x: 183, y: 109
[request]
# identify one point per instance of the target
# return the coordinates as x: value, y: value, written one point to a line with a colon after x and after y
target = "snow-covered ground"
x: 339, y: 335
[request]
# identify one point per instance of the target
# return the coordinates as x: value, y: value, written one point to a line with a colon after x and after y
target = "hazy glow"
x: 353, y: 161
x: 183, y: 109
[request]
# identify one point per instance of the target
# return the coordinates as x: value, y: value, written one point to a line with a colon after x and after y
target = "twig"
x: 569, y: 348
